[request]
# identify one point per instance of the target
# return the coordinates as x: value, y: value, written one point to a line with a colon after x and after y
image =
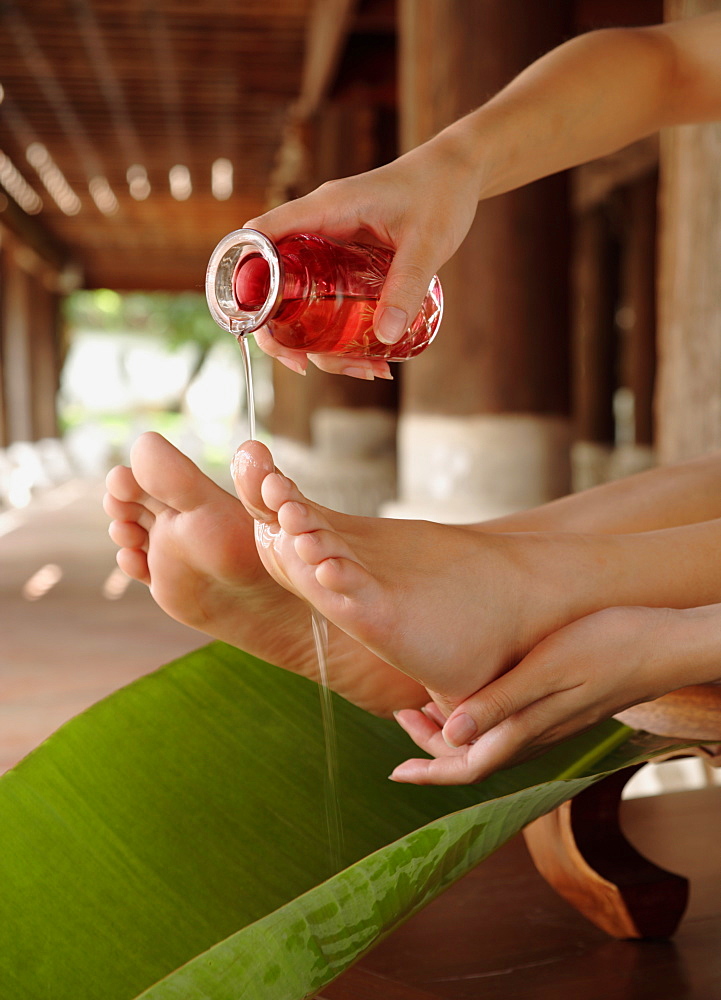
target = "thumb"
x: 405, y: 287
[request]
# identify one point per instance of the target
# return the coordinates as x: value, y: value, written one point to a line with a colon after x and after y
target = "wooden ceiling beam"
x: 34, y: 234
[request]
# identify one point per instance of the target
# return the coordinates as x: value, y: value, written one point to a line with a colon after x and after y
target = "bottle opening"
x: 242, y: 283
x: 251, y: 282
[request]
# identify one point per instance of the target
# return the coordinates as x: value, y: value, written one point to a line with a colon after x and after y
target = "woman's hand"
x: 575, y: 677
x: 420, y: 205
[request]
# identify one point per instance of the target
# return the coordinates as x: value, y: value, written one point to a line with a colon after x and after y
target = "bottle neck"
x: 243, y: 281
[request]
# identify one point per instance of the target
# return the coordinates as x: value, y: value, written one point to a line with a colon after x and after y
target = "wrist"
x: 684, y: 646
x: 462, y: 146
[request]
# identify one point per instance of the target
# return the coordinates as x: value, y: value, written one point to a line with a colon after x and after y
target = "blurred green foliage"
x: 177, y: 319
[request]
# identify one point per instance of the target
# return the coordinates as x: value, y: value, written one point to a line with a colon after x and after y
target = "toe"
x: 168, y: 477
x: 252, y: 463
x: 298, y: 516
x: 122, y: 485
x: 128, y: 534
x: 348, y: 578
x: 134, y: 562
x: 120, y: 510
x: 277, y: 489
x: 315, y: 546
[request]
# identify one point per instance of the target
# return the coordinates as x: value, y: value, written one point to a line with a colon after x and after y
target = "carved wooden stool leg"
x: 581, y: 851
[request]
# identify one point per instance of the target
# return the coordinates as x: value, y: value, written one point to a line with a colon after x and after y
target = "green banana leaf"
x: 171, y: 841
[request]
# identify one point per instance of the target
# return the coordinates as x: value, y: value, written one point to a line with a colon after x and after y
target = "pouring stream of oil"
x: 319, y: 626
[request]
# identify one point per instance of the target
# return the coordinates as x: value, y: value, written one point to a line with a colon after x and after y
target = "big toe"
x: 168, y: 476
x: 252, y: 463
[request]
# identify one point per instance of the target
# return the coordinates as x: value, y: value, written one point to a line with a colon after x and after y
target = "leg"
x: 664, y: 497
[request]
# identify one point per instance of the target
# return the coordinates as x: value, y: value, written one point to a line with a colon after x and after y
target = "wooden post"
x: 44, y: 335
x: 594, y: 297
x: 485, y: 412
x: 4, y: 432
x: 15, y: 325
x: 333, y: 434
x: 346, y: 137
x: 688, y: 405
x: 638, y: 294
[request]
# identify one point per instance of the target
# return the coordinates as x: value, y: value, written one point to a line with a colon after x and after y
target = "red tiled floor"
x: 71, y: 647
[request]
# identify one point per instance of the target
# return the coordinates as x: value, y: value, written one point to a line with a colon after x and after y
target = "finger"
x: 296, y: 361
x: 335, y: 364
x: 528, y: 682
x: 424, y: 732
x: 439, y: 771
x: 503, y: 746
x: 434, y: 712
x: 365, y: 368
x: 405, y: 287
x: 331, y: 209
x: 339, y: 364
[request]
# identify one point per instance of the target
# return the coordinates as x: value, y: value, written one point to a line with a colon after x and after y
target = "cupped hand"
x: 575, y: 677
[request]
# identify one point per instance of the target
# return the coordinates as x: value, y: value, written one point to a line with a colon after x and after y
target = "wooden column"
x: 688, y: 404
x: 335, y: 435
x: 490, y: 399
x: 45, y: 366
x: 15, y: 332
x: 345, y: 137
x: 595, y: 297
x: 638, y: 295
x: 4, y: 435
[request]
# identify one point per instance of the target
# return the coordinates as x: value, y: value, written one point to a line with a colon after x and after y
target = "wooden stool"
x: 582, y: 852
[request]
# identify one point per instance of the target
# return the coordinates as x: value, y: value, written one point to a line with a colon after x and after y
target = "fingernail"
x: 459, y: 730
x: 392, y: 324
x: 358, y: 373
x: 295, y: 366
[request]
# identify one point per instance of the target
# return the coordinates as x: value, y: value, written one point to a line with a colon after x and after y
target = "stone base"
x: 466, y: 469
x: 593, y: 464
x: 350, y: 465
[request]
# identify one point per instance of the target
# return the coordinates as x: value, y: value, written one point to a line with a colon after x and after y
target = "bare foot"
x: 193, y: 545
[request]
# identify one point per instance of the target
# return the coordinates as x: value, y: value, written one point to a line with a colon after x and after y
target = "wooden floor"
x: 90, y: 633
x: 499, y: 933
x: 502, y: 934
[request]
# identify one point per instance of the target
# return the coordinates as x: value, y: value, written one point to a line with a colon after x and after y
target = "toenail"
x: 459, y: 730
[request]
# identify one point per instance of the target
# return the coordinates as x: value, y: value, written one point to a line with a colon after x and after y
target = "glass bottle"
x: 313, y: 294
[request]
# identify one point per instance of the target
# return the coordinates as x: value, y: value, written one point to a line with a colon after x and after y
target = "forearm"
x: 694, y: 654
x: 670, y: 568
x: 590, y: 97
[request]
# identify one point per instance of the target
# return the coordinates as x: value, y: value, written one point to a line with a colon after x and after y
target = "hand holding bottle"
x: 399, y: 206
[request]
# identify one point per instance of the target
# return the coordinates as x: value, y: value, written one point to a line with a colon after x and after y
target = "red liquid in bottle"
x: 328, y: 296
